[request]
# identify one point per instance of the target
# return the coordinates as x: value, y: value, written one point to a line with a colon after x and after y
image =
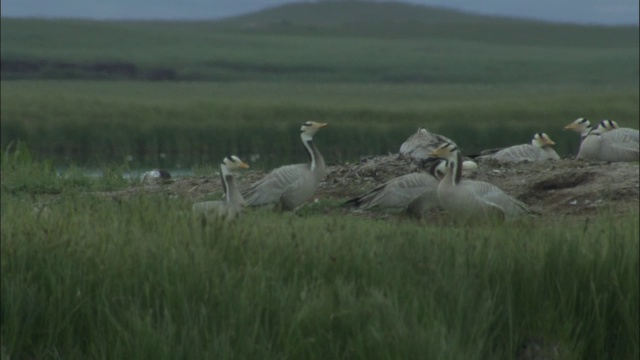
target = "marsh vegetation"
x: 89, y: 273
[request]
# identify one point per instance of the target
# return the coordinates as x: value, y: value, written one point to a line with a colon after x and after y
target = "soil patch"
x: 552, y: 188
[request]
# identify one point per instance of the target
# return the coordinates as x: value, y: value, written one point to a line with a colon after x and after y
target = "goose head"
x: 439, y: 168
x: 608, y: 124
x: 309, y: 129
x: 542, y: 140
x: 233, y: 162
x: 604, y: 126
x: 580, y: 125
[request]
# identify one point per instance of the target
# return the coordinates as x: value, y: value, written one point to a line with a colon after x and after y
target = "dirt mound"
x: 564, y: 187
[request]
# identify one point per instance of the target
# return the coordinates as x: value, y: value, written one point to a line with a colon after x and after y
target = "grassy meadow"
x: 87, y: 277
x: 90, y: 276
x: 195, y: 124
x: 80, y: 90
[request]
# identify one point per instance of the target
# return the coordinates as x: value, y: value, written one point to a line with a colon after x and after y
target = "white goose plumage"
x: 231, y: 207
x: 415, y: 193
x: 608, y: 142
x: 420, y: 144
x: 290, y: 186
x: 539, y: 150
x: 470, y: 199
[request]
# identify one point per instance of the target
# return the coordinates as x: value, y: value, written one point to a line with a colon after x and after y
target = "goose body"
x: 608, y: 142
x: 414, y: 193
x: 470, y: 199
x: 291, y: 185
x: 539, y: 150
x: 231, y: 207
x: 420, y: 144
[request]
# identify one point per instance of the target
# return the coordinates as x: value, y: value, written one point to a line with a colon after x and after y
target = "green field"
x: 243, y: 84
x: 86, y: 277
x: 195, y: 124
x: 89, y: 276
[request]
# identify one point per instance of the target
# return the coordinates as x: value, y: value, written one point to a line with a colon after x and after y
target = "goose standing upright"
x: 420, y: 144
x: 291, y: 185
x: 231, y: 207
x: 607, y: 142
x: 539, y: 150
x: 469, y: 199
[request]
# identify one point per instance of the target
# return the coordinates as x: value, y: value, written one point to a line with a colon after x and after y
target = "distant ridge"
x: 343, y: 13
x: 332, y: 13
x: 346, y: 41
x: 398, y: 20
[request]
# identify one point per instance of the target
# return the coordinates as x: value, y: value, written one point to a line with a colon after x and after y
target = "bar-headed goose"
x: 231, y: 207
x: 420, y: 144
x: 582, y: 126
x: 607, y: 142
x: 613, y: 126
x: 468, y: 199
x: 291, y: 185
x: 415, y: 193
x: 540, y: 149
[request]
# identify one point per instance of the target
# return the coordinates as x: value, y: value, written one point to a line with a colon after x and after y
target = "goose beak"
x: 436, y: 152
x: 570, y: 126
x: 550, y: 142
x: 243, y: 165
x: 321, y: 125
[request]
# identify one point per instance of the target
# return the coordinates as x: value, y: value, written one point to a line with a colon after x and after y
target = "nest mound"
x: 563, y: 187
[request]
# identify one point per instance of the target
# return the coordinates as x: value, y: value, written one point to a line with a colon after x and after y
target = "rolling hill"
x: 323, y: 41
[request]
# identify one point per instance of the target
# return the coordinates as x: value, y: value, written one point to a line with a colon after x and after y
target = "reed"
x: 193, y: 124
x: 95, y: 278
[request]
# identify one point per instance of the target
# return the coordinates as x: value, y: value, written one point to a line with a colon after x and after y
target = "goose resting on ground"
x: 539, y: 150
x: 631, y: 134
x: 414, y: 192
x: 155, y: 176
x: 470, y: 199
x: 583, y: 126
x: 231, y: 207
x: 607, y: 142
x: 420, y: 144
x: 291, y: 185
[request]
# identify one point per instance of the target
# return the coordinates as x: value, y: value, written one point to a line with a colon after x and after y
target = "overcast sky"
x: 575, y: 11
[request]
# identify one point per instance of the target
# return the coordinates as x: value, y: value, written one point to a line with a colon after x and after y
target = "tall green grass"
x: 482, y: 81
x: 144, y: 278
x: 194, y: 124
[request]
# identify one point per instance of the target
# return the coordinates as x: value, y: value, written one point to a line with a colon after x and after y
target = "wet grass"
x: 90, y: 277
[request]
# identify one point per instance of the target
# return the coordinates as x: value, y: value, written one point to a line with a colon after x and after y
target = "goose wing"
x: 483, y: 153
x: 398, y: 192
x: 271, y: 187
x: 624, y: 135
x: 524, y: 152
x: 422, y: 143
x: 493, y: 195
x: 614, y: 145
x: 622, y: 152
x: 623, y: 144
x: 464, y: 201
